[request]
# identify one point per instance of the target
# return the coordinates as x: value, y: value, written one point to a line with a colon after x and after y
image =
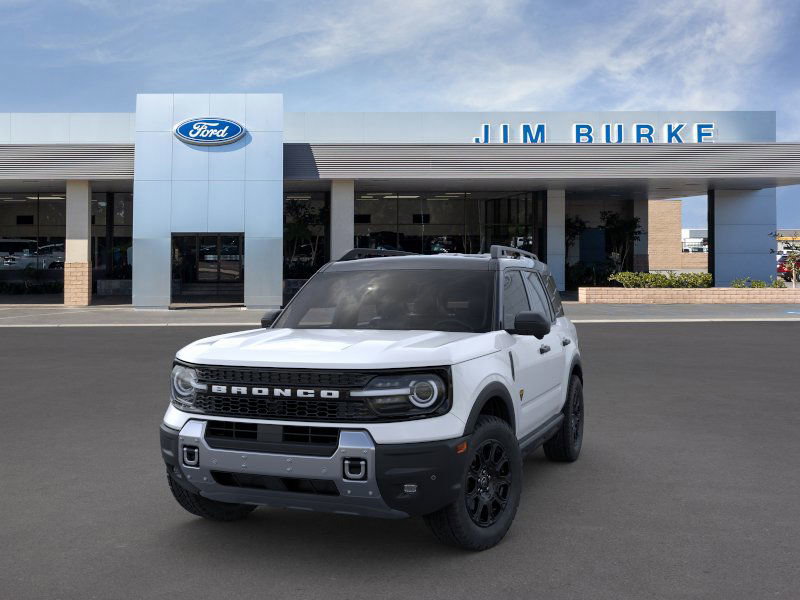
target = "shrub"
x: 777, y: 282
x: 741, y: 282
x: 746, y: 282
x: 662, y: 280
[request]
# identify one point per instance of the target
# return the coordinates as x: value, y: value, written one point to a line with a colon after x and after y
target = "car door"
x: 528, y: 355
x: 554, y: 359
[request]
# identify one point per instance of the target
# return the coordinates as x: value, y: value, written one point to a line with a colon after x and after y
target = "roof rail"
x: 357, y: 253
x: 509, y: 252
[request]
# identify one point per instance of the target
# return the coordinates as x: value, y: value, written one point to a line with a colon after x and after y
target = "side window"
x: 539, y: 301
x: 515, y: 298
x: 555, y: 297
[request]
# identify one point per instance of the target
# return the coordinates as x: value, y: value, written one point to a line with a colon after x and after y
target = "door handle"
x: 544, y: 348
x: 566, y: 342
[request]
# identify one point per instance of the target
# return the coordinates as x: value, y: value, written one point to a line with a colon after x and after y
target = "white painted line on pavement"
x: 698, y: 320
x: 43, y: 325
x: 256, y: 325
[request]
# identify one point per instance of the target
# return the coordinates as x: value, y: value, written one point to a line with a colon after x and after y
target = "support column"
x: 664, y: 236
x: 640, y: 210
x: 556, y: 241
x: 342, y: 211
x: 742, y: 221
x: 77, y: 260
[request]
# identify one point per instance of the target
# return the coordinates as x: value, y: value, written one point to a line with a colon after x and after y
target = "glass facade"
x: 306, y: 233
x: 208, y: 267
x: 440, y: 222
x: 32, y: 228
x: 112, y: 224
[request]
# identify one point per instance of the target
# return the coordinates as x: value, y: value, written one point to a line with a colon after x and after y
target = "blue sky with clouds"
x: 95, y: 55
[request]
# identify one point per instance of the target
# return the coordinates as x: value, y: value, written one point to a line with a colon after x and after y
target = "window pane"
x: 515, y: 299
x: 438, y: 300
x: 305, y: 234
x: 538, y: 299
x: 555, y: 297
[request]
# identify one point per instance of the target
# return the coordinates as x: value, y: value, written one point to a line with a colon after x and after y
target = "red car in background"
x: 783, y: 268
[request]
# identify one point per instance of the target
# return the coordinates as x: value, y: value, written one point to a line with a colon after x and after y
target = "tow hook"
x: 355, y: 469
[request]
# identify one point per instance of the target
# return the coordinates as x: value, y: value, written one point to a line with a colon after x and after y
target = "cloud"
x: 673, y: 54
x: 353, y: 32
x: 448, y: 54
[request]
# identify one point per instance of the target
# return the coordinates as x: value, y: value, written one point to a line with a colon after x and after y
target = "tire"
x: 208, y: 509
x: 565, y: 445
x: 487, y: 502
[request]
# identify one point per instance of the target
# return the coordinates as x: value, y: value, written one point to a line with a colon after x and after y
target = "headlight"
x: 405, y: 394
x: 184, y: 386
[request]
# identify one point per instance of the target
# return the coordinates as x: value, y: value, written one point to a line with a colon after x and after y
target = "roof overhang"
x: 658, y: 170
x: 654, y: 170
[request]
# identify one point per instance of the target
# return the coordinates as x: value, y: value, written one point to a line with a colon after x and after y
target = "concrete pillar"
x: 556, y: 242
x: 342, y: 211
x: 640, y: 248
x: 77, y: 259
x: 742, y: 221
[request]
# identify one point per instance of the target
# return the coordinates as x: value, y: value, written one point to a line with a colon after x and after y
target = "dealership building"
x: 230, y: 198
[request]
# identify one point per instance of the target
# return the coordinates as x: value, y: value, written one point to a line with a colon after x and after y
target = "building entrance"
x: 208, y: 267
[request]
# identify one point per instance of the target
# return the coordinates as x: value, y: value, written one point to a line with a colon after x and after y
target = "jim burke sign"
x: 604, y: 133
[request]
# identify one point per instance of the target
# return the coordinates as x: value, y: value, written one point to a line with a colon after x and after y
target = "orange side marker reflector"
x: 461, y: 448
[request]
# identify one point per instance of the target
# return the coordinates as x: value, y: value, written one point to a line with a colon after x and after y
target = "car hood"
x: 345, y: 348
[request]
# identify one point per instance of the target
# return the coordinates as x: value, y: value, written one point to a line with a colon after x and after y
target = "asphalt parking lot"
x: 687, y: 486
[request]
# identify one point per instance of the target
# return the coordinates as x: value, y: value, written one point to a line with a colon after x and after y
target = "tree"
x: 792, y: 248
x: 573, y: 228
x: 621, y: 234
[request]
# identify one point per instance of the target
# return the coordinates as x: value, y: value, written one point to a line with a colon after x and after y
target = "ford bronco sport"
x: 390, y: 386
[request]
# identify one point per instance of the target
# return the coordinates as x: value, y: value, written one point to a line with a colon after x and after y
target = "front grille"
x: 283, y: 377
x: 295, y: 409
x: 274, y: 439
x: 277, y: 484
x: 231, y: 430
x: 327, y: 436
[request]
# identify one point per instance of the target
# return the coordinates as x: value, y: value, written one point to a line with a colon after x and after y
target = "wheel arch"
x: 494, y: 399
x: 576, y: 369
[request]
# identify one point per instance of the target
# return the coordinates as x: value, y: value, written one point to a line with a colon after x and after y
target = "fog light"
x: 410, y: 488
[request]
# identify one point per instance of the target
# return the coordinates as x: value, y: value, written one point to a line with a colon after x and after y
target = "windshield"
x: 437, y: 300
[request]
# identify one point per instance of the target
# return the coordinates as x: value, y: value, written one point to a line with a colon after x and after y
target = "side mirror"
x: 270, y: 317
x: 531, y: 323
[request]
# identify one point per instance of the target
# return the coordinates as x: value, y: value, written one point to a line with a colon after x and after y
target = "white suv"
x: 390, y: 386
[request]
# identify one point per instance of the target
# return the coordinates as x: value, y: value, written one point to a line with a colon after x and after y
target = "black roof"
x: 416, y: 261
x: 476, y: 262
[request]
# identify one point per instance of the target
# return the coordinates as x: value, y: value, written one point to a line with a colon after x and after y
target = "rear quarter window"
x: 555, y: 297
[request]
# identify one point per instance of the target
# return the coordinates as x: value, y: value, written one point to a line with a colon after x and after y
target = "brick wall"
x: 664, y: 246
x: 694, y: 260
x: 77, y: 284
x: 618, y: 295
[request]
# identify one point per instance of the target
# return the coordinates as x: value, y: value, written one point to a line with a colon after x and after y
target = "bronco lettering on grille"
x: 243, y: 390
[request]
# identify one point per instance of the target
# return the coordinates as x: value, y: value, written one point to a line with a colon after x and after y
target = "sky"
x: 409, y: 55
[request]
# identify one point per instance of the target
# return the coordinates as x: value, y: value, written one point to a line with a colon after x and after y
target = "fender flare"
x: 575, y: 368
x: 494, y: 389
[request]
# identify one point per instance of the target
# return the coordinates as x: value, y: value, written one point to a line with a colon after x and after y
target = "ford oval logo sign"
x: 209, y: 131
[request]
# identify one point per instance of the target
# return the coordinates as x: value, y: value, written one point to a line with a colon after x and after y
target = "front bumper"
x: 318, y: 483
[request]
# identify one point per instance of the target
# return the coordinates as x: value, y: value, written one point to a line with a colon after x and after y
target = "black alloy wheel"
x: 489, y: 496
x: 565, y: 445
x: 576, y: 422
x: 488, y: 483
